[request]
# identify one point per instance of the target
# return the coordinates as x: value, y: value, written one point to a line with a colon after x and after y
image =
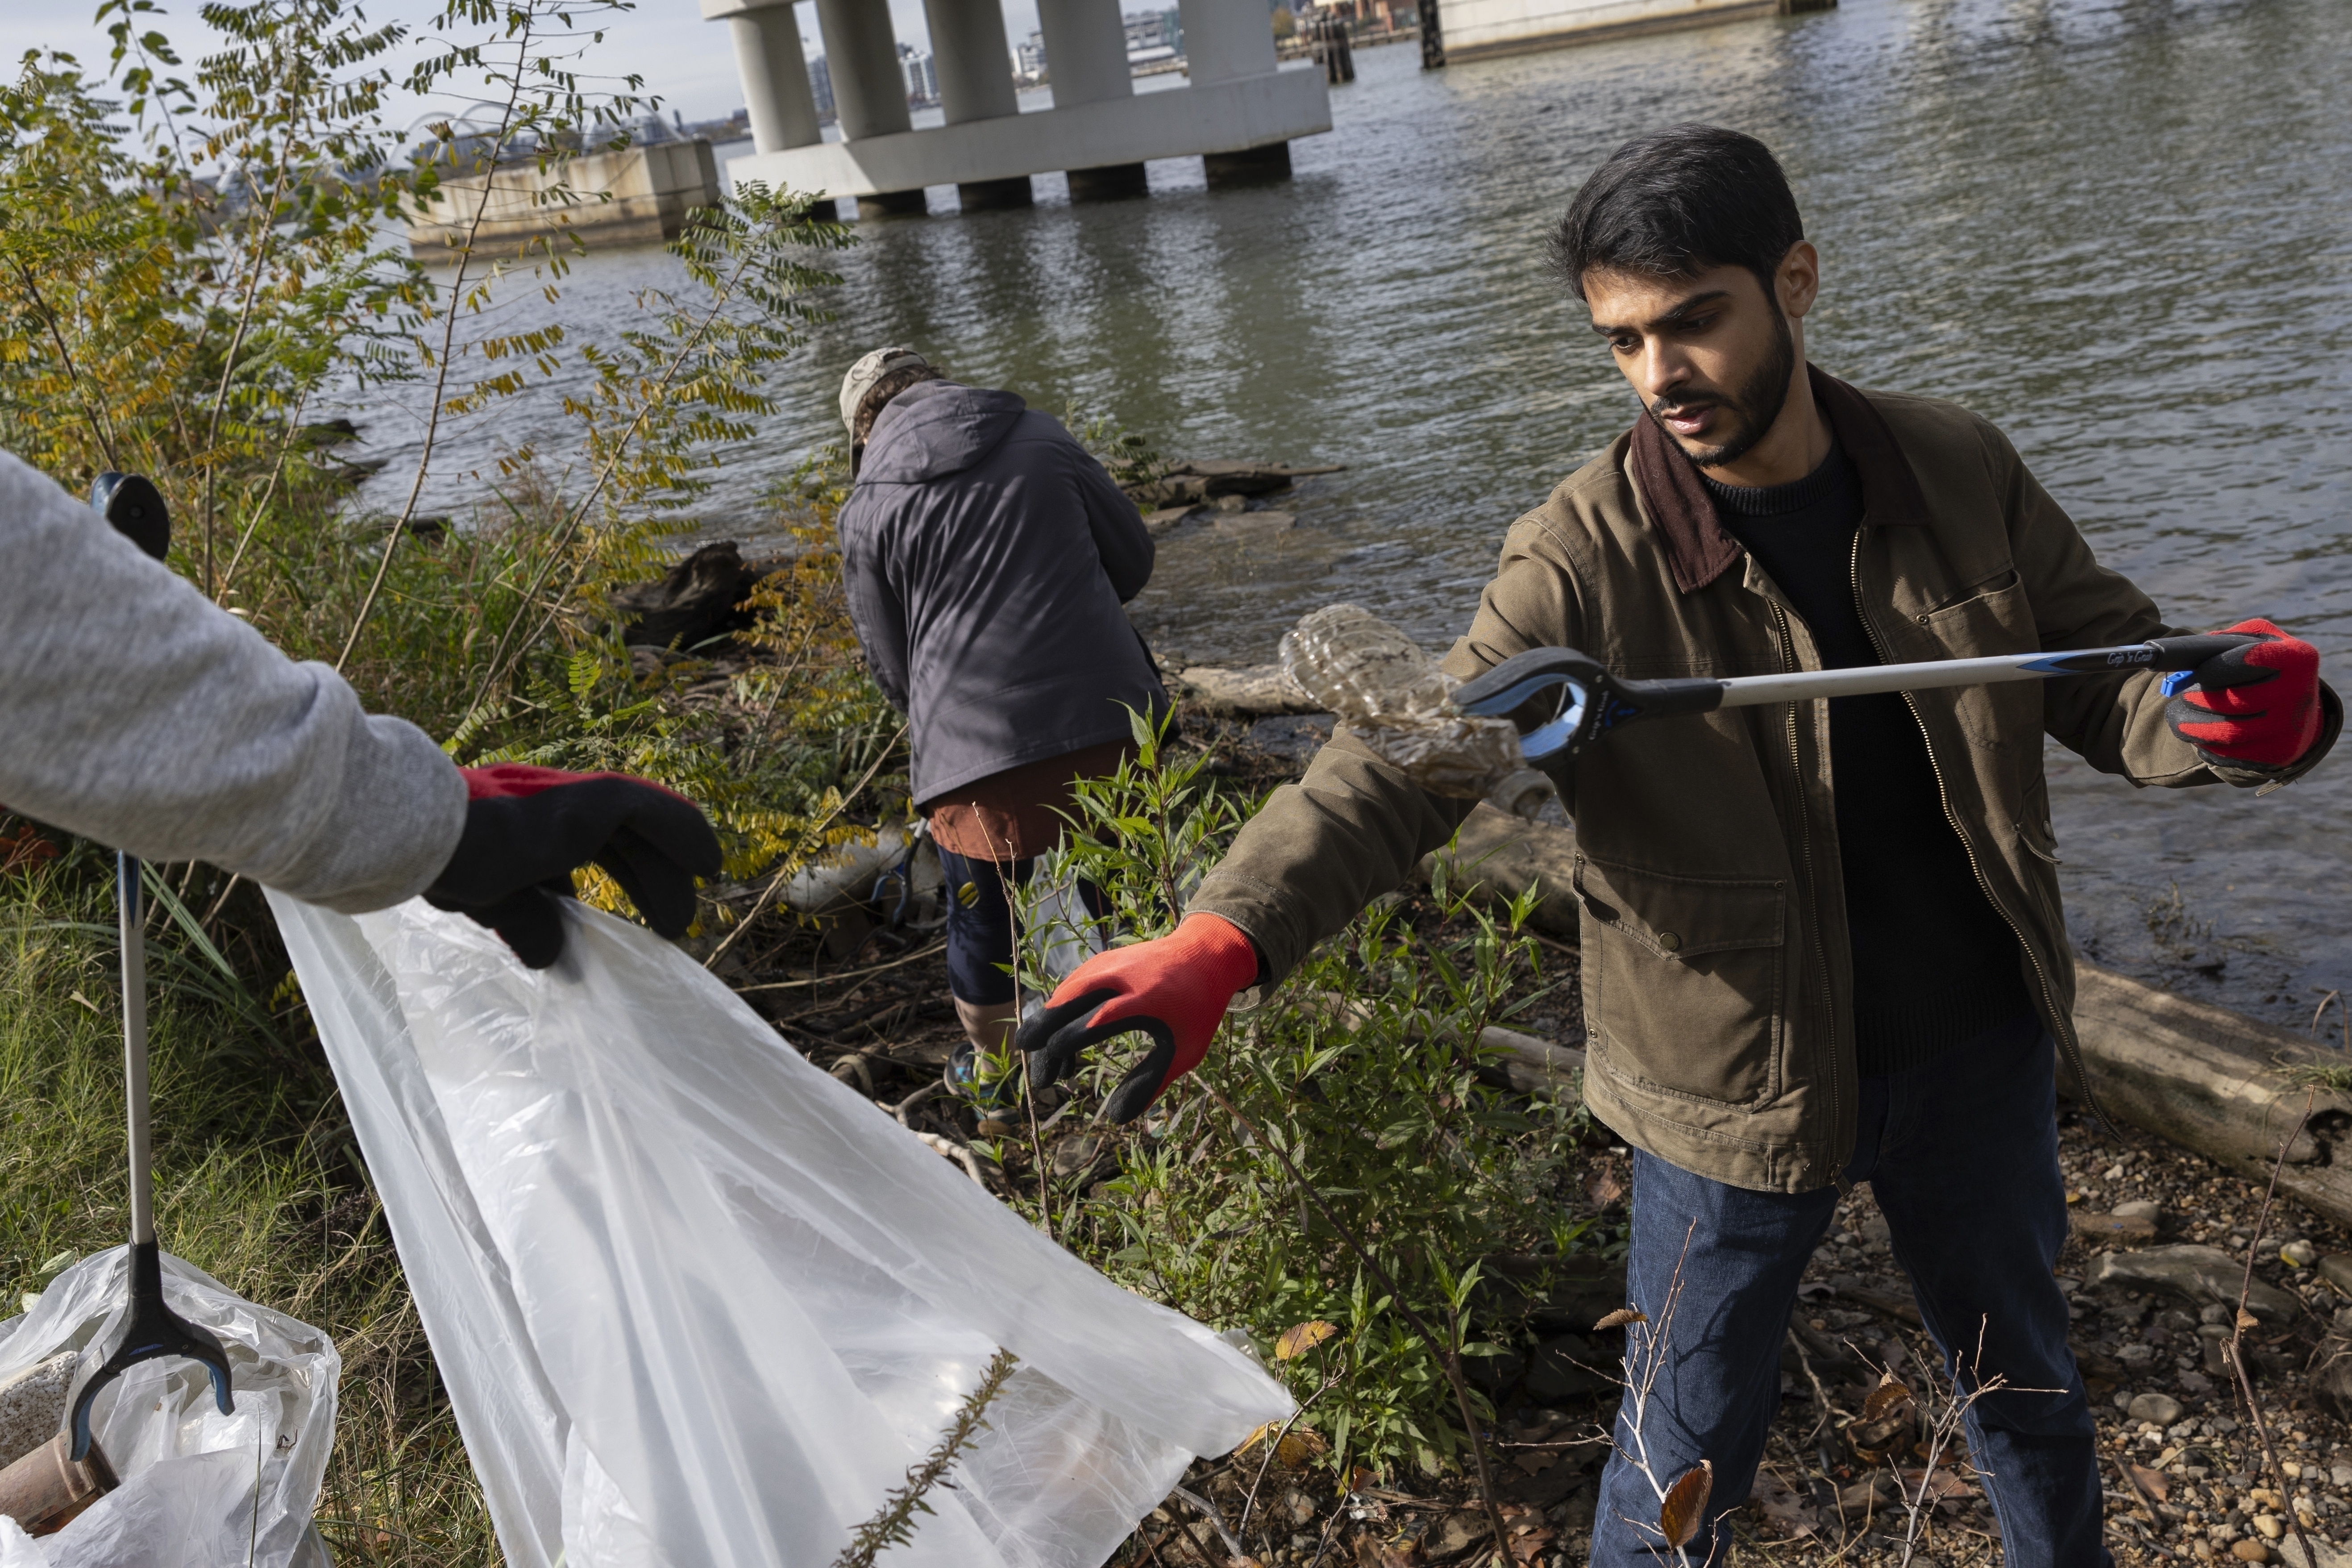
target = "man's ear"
x: 1798, y: 279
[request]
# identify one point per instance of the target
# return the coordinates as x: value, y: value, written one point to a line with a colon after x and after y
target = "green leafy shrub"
x: 1363, y: 1069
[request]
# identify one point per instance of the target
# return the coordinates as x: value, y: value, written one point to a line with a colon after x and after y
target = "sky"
x: 687, y: 62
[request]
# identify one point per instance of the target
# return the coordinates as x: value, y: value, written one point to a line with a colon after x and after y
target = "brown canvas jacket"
x: 1717, y: 992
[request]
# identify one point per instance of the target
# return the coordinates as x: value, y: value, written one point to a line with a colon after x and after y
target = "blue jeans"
x: 1962, y: 1156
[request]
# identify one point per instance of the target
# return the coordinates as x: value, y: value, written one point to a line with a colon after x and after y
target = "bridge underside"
x: 1230, y: 117
x: 1238, y: 113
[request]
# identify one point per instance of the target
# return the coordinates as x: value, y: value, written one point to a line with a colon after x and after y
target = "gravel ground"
x: 2184, y: 1474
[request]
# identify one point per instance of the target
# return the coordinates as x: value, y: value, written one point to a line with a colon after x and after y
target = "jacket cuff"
x: 1253, y: 909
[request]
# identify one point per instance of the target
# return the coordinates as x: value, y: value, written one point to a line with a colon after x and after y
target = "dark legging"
x: 979, y: 925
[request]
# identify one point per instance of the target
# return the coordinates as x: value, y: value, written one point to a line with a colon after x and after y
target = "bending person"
x: 1822, y: 943
x: 142, y: 715
x: 987, y: 557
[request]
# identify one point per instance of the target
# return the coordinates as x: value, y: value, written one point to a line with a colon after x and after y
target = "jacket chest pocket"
x: 1683, y: 978
x: 1993, y: 616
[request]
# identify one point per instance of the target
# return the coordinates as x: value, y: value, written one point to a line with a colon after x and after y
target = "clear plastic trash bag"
x: 199, y: 1489
x: 699, y: 1305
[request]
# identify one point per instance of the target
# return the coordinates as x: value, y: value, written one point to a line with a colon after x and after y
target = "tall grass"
x: 251, y: 1185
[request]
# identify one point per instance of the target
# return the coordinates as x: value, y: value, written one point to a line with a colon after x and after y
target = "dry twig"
x: 2235, y: 1348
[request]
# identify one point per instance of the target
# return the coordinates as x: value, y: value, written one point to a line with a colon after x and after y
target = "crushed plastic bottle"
x: 1390, y: 695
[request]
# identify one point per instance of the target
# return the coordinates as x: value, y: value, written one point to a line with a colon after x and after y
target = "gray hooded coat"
x: 987, y: 556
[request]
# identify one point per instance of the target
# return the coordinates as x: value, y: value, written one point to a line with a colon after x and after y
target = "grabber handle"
x: 2189, y: 652
x: 130, y: 922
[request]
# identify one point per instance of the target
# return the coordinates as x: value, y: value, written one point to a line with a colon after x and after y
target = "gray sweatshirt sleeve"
x: 136, y: 713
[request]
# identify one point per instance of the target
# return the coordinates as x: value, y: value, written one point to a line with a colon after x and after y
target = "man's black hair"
x: 1677, y: 202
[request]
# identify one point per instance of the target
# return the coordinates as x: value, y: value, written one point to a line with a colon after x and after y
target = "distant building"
x: 922, y: 74
x: 1153, y: 36
x: 821, y: 89
x: 736, y: 127
x: 1029, y: 60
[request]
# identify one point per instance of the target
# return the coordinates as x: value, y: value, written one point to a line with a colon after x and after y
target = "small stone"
x: 2093, y: 1227
x: 2336, y: 1269
x: 2147, y: 1209
x: 2158, y: 1409
x: 2339, y: 1475
x: 2299, y: 1254
x: 2249, y: 1550
x: 2272, y: 1527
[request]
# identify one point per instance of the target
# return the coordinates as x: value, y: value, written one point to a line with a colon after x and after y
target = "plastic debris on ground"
x: 198, y: 1489
x: 699, y: 1305
x: 1392, y: 696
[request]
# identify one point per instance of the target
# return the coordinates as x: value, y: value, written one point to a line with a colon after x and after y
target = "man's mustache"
x: 1690, y: 402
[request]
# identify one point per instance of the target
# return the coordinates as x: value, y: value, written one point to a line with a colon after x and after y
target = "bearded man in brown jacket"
x: 1823, y: 942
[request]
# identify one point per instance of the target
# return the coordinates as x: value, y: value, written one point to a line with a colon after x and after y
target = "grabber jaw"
x: 1576, y: 691
x: 152, y: 1331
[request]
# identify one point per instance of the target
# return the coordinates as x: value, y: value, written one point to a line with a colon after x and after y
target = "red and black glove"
x: 528, y: 829
x: 1175, y: 990
x: 2258, y: 704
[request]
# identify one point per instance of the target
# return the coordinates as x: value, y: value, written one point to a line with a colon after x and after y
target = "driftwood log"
x: 2215, y: 1081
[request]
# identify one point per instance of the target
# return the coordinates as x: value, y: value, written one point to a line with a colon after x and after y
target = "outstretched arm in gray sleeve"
x: 139, y: 714
x: 1121, y: 538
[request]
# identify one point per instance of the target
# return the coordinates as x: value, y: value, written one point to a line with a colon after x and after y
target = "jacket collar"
x: 1699, y: 548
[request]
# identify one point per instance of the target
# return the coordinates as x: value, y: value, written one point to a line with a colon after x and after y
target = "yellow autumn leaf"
x: 1293, y: 1450
x: 1301, y: 1338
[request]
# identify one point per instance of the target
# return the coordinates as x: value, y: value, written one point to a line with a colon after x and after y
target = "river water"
x: 2115, y: 227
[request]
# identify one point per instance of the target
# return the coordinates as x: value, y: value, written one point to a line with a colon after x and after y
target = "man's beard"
x: 1756, y: 406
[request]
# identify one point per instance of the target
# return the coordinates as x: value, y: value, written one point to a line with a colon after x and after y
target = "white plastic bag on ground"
x: 697, y: 1304
x: 199, y: 1489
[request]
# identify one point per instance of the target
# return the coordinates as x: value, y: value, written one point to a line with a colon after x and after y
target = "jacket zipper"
x: 2065, y: 1024
x: 1813, y: 890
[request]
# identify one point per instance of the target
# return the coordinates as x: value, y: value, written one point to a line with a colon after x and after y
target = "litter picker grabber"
x: 1589, y: 701
x: 150, y: 1330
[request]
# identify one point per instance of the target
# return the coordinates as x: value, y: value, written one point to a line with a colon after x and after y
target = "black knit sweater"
x: 1935, y: 965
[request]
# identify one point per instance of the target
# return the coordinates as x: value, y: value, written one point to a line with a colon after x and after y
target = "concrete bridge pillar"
x: 869, y: 93
x: 1227, y: 40
x: 1085, y: 60
x: 1224, y: 41
x: 775, y: 74
x: 976, y: 83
